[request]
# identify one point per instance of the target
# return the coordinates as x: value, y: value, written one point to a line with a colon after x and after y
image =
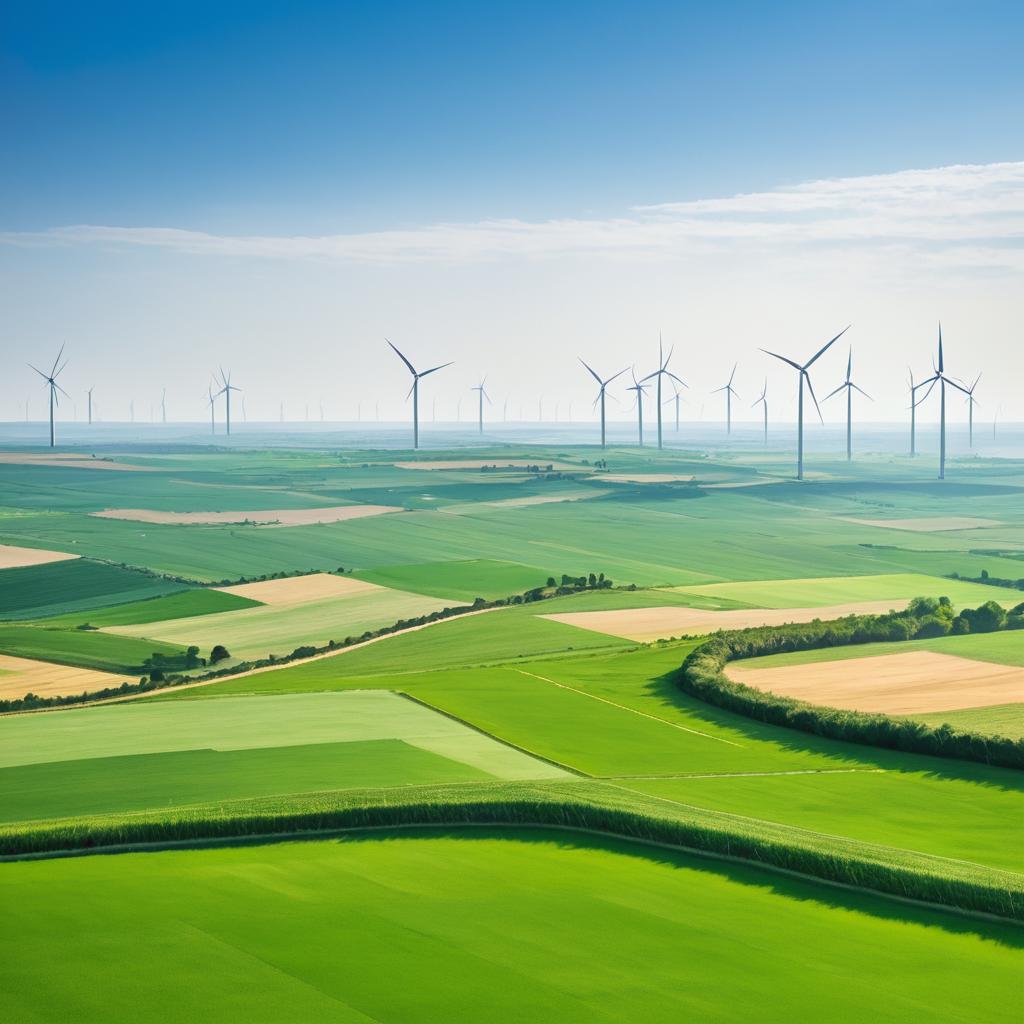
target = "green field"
x: 1000, y: 720
x: 463, y: 581
x: 84, y: 648
x: 37, y: 591
x: 186, y: 603
x: 544, y: 926
x: 257, y: 631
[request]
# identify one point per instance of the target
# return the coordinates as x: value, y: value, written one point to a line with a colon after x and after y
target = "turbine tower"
x: 942, y: 380
x: 51, y: 382
x: 971, y: 403
x: 662, y: 371
x: 849, y: 387
x: 805, y: 376
x: 763, y: 400
x: 640, y: 387
x: 163, y: 406
x: 675, y: 398
x: 482, y: 394
x: 415, y: 391
x: 211, y: 399
x: 226, y: 388
x: 602, y: 386
x: 913, y: 414
x: 729, y: 392
x: 89, y: 395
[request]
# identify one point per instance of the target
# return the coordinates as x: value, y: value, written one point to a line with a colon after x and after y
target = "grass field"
x: 85, y: 648
x: 463, y: 581
x: 185, y: 603
x: 258, y: 631
x: 999, y: 720
x: 138, y: 756
x: 543, y: 927
x: 37, y: 591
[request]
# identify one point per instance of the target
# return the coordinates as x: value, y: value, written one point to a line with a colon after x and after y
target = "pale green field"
x: 812, y: 593
x: 279, y: 629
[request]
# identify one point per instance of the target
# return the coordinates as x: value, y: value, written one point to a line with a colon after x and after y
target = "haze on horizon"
x: 278, y: 190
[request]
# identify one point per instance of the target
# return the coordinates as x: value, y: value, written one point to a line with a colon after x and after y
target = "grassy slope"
x: 551, y: 926
x: 174, y: 606
x: 84, y: 648
x: 1000, y: 720
x: 464, y: 581
x: 41, y: 590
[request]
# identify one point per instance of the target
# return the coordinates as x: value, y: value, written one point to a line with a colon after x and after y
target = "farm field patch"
x: 196, y: 601
x: 19, y: 676
x: 929, y: 524
x: 646, y: 624
x: 83, y: 648
x: 516, y: 924
x: 896, y: 684
x: 255, y: 517
x: 14, y: 557
x: 291, y: 590
x: 999, y: 720
x: 65, y: 460
x: 484, y: 466
x: 463, y: 580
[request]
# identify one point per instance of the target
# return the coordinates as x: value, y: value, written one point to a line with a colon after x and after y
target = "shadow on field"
x: 666, y: 691
x: 823, y: 894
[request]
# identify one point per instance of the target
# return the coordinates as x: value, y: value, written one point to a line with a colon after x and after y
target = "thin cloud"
x: 970, y: 215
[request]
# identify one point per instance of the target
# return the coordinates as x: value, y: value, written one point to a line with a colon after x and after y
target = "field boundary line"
x: 513, y: 826
x: 492, y: 736
x: 744, y: 775
x: 634, y: 711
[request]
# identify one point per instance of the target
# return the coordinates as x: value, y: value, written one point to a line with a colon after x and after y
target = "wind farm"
x: 431, y: 588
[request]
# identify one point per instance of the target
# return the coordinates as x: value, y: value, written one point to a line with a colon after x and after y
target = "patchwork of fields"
x: 564, y: 692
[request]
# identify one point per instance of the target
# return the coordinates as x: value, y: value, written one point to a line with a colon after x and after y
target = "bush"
x: 219, y: 653
x: 985, y: 619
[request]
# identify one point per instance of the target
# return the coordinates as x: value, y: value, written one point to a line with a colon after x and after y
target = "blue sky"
x: 296, y: 117
x: 279, y: 186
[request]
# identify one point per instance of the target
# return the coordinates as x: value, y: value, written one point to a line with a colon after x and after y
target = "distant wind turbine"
x: 226, y: 388
x: 89, y: 395
x: 640, y: 387
x: 805, y: 376
x: 245, y: 415
x: 602, y: 386
x: 849, y: 387
x: 163, y: 406
x: 942, y: 380
x: 729, y: 392
x: 415, y: 391
x: 913, y: 414
x: 482, y: 394
x: 763, y: 400
x: 676, y: 398
x: 971, y: 403
x: 211, y: 399
x: 51, y: 382
x: 662, y: 371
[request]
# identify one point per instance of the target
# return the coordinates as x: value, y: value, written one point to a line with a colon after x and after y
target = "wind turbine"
x: 211, y: 399
x: 482, y: 394
x: 163, y: 406
x: 602, y: 386
x: 245, y: 415
x: 805, y: 376
x: 849, y: 387
x: 729, y: 392
x: 913, y: 414
x: 415, y: 392
x: 763, y: 400
x: 942, y: 380
x: 662, y: 371
x: 89, y: 394
x: 971, y: 403
x: 640, y: 387
x: 226, y: 388
x: 51, y: 382
x: 677, y: 397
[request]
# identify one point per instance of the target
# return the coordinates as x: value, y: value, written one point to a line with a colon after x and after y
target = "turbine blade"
x: 590, y: 370
x: 733, y: 374
x: 678, y: 380
x: 605, y: 383
x: 953, y: 383
x: 836, y: 392
x: 810, y: 387
x: 434, y: 369
x: 821, y: 351
x: 412, y: 369
x: 53, y: 372
x: 862, y: 391
x: 40, y: 372
x: 796, y: 366
x: 931, y: 382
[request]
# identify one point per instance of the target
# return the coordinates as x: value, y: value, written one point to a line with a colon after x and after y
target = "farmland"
x: 492, y: 710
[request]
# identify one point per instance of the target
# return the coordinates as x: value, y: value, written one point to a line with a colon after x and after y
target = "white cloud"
x: 963, y: 215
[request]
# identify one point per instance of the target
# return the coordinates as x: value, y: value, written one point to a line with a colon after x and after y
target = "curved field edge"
x: 702, y: 675
x: 598, y: 807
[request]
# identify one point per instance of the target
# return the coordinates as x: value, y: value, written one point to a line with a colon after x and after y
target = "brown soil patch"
x: 13, y: 557
x: 930, y: 524
x: 646, y: 624
x: 894, y: 684
x: 67, y: 460
x: 300, y: 589
x: 496, y: 467
x: 19, y: 676
x: 645, y: 478
x: 259, y: 517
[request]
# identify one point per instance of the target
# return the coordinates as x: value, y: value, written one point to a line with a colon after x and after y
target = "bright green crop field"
x: 498, y: 921
x: 542, y: 926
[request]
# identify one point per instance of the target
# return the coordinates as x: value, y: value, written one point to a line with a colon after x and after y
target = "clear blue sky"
x: 320, y: 117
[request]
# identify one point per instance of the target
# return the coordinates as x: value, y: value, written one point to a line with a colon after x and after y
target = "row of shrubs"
x: 159, y: 677
x: 702, y: 676
x: 586, y: 806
